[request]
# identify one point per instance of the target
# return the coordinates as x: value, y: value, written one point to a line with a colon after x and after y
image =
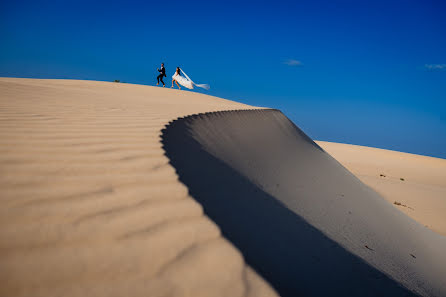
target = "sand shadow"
x: 293, y: 256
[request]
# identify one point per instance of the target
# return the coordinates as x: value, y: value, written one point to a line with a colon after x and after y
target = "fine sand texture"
x: 111, y: 189
x: 303, y: 221
x: 414, y: 184
x: 89, y: 205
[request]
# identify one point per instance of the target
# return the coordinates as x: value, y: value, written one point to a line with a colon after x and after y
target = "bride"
x: 185, y: 80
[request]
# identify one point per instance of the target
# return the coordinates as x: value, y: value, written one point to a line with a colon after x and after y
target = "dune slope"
x: 89, y: 205
x: 414, y: 184
x: 304, y: 222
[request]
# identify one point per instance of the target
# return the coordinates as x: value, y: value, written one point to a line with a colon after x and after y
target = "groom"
x: 162, y: 74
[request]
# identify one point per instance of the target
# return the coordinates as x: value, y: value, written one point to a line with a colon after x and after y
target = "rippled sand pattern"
x: 90, y: 206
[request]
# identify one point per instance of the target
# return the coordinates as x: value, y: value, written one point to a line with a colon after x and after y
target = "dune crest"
x: 89, y: 205
x: 304, y: 222
x: 92, y: 205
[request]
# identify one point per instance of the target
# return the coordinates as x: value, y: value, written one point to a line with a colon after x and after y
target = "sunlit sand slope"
x: 414, y: 184
x: 304, y: 222
x: 89, y: 205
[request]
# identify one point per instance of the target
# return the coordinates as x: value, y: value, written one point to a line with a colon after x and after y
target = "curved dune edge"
x: 294, y: 211
x: 89, y: 203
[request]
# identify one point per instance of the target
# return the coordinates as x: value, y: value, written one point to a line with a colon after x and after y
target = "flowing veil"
x: 187, y: 82
x: 204, y: 86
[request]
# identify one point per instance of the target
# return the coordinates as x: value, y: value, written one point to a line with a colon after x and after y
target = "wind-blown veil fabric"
x: 187, y: 82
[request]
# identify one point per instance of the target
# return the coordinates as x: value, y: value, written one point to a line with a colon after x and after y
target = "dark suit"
x: 162, y: 74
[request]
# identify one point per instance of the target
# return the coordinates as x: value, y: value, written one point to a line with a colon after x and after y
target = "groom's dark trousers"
x: 160, y: 78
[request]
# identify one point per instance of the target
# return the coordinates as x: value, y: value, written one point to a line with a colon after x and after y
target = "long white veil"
x: 189, y: 83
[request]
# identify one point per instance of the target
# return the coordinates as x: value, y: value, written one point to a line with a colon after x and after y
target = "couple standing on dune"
x: 179, y: 79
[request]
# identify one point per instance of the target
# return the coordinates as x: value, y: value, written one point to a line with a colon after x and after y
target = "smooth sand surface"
x: 89, y: 203
x: 422, y: 192
x: 304, y: 222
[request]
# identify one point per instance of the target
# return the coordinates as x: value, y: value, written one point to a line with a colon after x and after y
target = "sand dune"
x: 414, y: 184
x: 89, y: 204
x: 304, y: 222
x: 116, y: 190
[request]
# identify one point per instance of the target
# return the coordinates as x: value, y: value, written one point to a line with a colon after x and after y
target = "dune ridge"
x: 294, y: 211
x: 89, y: 205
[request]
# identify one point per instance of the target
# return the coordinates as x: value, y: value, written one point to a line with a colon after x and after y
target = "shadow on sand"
x: 293, y: 256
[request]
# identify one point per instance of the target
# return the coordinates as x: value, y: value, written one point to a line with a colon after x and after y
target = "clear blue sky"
x: 370, y: 72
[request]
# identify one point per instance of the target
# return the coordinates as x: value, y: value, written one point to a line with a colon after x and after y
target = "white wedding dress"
x: 185, y: 81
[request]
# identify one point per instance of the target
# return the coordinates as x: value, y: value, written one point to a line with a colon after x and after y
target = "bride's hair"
x: 178, y: 70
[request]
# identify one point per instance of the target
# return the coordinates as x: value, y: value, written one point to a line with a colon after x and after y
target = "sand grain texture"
x: 304, y: 222
x: 89, y: 203
x: 126, y: 190
x: 416, y: 183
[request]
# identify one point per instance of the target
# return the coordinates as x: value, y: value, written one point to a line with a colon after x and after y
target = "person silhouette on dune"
x: 162, y: 74
x: 181, y: 78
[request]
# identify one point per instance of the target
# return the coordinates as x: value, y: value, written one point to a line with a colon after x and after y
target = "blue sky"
x: 363, y: 72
